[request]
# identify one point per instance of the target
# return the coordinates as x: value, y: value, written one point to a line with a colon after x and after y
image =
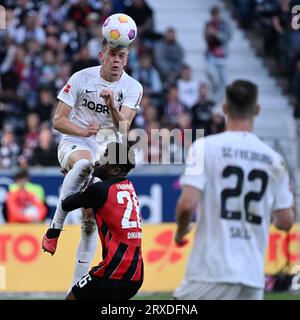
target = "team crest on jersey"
x: 119, y: 96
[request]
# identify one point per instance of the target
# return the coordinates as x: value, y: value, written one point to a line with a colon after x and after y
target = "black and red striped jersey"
x: 117, y: 214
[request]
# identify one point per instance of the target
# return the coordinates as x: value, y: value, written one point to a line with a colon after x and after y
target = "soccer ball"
x: 119, y: 30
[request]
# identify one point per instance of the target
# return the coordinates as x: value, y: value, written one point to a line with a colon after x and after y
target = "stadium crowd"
x: 45, y: 42
x: 272, y: 21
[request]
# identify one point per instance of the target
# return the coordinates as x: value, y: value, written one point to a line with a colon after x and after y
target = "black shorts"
x: 95, y: 288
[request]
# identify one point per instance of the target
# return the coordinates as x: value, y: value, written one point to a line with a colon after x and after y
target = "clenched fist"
x: 108, y: 96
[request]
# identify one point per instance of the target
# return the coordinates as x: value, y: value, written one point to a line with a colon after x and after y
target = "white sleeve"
x: 70, y: 92
x: 282, y: 192
x: 133, y: 96
x: 194, y: 174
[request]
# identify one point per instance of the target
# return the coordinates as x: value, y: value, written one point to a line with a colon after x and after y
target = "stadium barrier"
x: 157, y: 188
x: 25, y: 268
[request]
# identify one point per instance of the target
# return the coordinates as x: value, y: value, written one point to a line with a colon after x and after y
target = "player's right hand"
x: 91, y: 129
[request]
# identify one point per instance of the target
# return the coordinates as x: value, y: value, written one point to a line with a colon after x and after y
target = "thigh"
x: 71, y: 151
x: 207, y: 291
x: 250, y: 293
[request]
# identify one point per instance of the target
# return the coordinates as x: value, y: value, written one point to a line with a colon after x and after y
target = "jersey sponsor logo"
x: 67, y: 88
x: 97, y: 107
x: 89, y: 91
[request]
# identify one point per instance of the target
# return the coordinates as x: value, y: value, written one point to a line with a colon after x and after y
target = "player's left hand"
x: 108, y: 96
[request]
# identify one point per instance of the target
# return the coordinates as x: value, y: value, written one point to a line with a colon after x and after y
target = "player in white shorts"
x: 243, y: 185
x: 96, y: 106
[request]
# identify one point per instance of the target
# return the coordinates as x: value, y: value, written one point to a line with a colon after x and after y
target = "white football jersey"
x: 82, y: 93
x: 243, y: 181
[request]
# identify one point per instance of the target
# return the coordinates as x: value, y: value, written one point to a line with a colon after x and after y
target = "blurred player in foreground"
x: 93, y: 105
x: 243, y: 182
x: 116, y: 209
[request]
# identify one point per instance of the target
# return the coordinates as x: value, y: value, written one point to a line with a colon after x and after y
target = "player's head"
x: 113, y: 60
x: 117, y: 160
x: 241, y: 100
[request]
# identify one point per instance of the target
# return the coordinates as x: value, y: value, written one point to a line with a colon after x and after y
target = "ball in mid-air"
x: 119, y: 30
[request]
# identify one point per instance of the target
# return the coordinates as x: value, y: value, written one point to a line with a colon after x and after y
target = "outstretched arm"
x: 94, y: 196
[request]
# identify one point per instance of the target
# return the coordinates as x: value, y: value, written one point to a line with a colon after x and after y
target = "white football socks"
x: 73, y: 182
x: 86, y: 249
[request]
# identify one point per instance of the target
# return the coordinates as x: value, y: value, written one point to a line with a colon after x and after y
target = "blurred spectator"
x: 84, y: 61
x: 139, y: 120
x: 185, y: 138
x: 154, y: 148
x: 106, y: 10
x: 79, y: 12
x: 245, y: 10
x: 96, y: 38
x: 150, y: 114
x: 30, y: 30
x: 69, y: 39
x: 53, y: 12
x: 168, y: 54
x: 31, y: 139
x: 12, y: 107
x: 202, y: 110
x: 265, y: 10
x: 45, y: 105
x: 22, y: 180
x: 64, y: 72
x: 218, y: 122
x: 49, y: 68
x: 281, y: 22
x: 25, y: 201
x: 46, y: 153
x: 7, y: 51
x: 9, y: 148
x: 173, y: 107
x: 217, y: 36
x: 187, y: 87
x: 142, y: 14
x: 133, y: 57
x: 296, y: 88
x: 148, y: 76
x: 21, y: 9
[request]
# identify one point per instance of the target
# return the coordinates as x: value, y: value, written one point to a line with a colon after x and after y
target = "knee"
x: 88, y: 226
x: 84, y: 166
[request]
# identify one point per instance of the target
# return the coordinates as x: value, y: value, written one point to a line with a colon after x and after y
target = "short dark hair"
x: 105, y: 44
x: 215, y: 10
x: 241, y: 97
x: 122, y: 155
x: 22, y: 174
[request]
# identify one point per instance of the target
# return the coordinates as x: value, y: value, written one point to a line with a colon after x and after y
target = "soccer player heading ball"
x: 95, y: 107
